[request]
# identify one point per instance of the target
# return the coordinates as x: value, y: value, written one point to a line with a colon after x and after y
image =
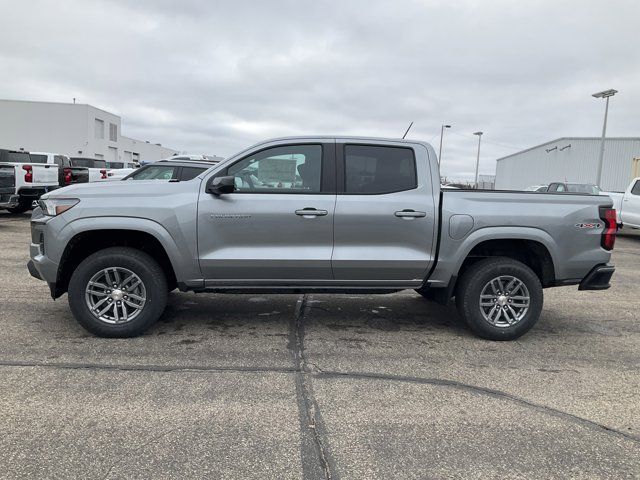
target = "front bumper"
x: 598, y: 278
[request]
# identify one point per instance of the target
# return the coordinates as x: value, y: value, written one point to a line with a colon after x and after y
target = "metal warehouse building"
x: 571, y: 159
x: 71, y: 129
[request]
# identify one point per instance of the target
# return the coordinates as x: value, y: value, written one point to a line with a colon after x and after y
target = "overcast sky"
x: 215, y: 76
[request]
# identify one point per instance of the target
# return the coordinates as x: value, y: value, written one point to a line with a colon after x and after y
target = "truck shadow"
x: 237, y: 315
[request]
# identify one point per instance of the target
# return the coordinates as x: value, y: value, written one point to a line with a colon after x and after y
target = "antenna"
x: 408, y: 128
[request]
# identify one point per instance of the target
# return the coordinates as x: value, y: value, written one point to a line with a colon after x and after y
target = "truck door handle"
x: 310, y: 212
x: 408, y: 213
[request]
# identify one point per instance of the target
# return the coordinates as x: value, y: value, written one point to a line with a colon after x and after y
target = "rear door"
x: 277, y: 227
x: 385, y: 210
x: 631, y: 205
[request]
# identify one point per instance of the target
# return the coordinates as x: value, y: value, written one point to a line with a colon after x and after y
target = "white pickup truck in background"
x: 96, y: 168
x: 627, y: 204
x: 24, y: 179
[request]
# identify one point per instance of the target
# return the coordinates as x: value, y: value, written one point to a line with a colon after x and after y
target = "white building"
x: 571, y: 159
x: 71, y: 129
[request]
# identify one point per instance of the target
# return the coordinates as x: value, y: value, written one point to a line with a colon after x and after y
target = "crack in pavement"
x: 317, y: 373
x: 316, y: 461
x: 310, y: 418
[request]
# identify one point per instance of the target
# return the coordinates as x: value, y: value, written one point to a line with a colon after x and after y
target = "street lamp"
x: 604, y: 94
x: 441, y: 135
x: 479, y: 134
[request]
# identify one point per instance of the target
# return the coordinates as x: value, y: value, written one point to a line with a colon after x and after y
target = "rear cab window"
x: 377, y: 169
x: 88, y: 162
x: 19, y: 157
x: 38, y: 158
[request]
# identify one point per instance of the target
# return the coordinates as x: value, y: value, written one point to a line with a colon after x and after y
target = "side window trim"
x: 327, y: 172
x: 341, y: 177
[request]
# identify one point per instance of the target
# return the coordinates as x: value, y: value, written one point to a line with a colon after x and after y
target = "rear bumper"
x: 598, y: 278
x: 9, y: 200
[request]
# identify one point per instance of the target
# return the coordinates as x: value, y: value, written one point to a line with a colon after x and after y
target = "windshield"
x: 154, y: 172
x: 583, y: 188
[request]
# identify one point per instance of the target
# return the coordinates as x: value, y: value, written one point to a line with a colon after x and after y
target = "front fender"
x: 182, y: 260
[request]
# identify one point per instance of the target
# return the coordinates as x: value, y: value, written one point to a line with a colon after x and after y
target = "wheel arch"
x: 90, y: 238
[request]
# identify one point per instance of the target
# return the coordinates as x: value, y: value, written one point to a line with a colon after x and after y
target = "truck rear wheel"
x: 118, y: 292
x: 499, y: 298
x: 21, y: 208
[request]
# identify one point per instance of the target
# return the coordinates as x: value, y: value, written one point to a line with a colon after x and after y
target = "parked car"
x: 169, y: 170
x: 368, y: 215
x: 536, y: 188
x: 23, y: 179
x: 570, y: 187
x: 627, y: 204
x: 94, y: 168
x: 119, y: 170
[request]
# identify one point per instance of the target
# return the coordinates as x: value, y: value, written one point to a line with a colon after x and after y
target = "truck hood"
x: 110, y: 189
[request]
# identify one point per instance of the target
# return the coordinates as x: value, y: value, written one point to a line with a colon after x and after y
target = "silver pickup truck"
x: 322, y: 215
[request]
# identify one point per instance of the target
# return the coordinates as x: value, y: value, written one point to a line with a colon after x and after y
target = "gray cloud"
x: 214, y: 77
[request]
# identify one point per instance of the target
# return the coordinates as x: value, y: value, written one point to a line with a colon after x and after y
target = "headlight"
x: 56, y: 206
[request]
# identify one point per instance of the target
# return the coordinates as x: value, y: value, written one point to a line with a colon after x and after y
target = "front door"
x: 277, y: 225
x: 385, y: 214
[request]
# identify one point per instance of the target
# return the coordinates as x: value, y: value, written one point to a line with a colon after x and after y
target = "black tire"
x: 474, y: 281
x: 138, y: 262
x: 19, y: 209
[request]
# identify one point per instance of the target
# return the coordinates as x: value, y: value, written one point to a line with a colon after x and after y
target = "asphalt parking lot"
x: 319, y: 386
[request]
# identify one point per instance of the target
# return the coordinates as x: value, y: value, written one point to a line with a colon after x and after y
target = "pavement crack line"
x: 303, y: 370
x: 316, y: 461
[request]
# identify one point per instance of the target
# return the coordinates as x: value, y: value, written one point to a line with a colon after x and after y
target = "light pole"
x: 441, y: 135
x: 604, y: 94
x: 479, y: 134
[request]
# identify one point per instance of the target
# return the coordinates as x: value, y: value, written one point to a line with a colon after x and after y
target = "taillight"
x: 608, y: 238
x: 28, y: 176
x: 104, y: 174
x: 67, y: 176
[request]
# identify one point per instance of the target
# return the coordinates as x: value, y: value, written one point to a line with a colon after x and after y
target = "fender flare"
x: 507, y: 233
x: 155, y: 229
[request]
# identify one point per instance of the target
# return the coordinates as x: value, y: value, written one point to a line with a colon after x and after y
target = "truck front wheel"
x: 118, y: 292
x: 499, y: 298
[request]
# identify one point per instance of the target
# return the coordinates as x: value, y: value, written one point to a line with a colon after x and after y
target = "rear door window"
x: 636, y: 188
x: 379, y: 169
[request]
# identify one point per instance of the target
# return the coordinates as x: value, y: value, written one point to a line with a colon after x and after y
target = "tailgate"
x: 7, y: 177
x: 7, y: 182
x: 45, y: 174
x: 78, y: 174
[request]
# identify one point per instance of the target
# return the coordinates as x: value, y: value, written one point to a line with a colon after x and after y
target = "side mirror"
x: 220, y: 185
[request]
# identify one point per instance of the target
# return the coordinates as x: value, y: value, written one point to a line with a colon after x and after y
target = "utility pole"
x: 479, y: 134
x: 441, y: 135
x: 604, y: 94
